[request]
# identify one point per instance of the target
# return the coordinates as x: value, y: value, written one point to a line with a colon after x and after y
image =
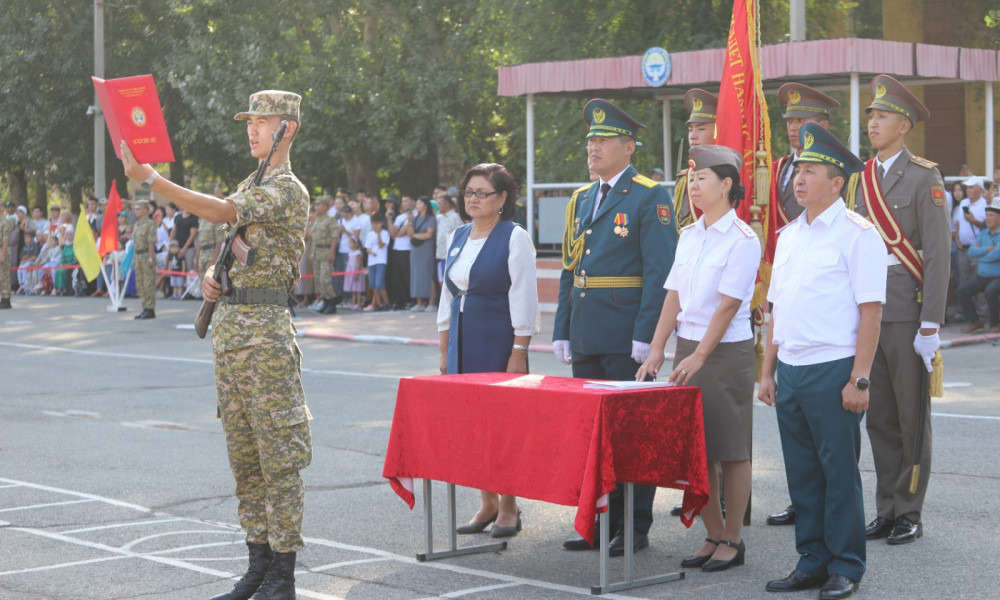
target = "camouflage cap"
x: 803, y: 102
x: 272, y: 102
x: 891, y: 96
x: 702, y: 157
x: 702, y: 106
x: 141, y: 203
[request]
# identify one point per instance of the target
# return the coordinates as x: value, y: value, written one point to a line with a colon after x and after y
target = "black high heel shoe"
x: 476, y: 527
x: 721, y: 565
x: 502, y: 532
x: 697, y: 560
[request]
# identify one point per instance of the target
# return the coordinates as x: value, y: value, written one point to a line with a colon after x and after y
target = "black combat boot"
x: 329, y: 307
x: 147, y: 313
x: 260, y: 559
x: 279, y: 583
x: 5, y: 303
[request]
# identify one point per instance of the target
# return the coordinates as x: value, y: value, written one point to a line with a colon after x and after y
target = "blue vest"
x: 483, y: 334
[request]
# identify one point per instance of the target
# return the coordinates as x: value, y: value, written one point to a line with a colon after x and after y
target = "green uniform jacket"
x: 606, y: 320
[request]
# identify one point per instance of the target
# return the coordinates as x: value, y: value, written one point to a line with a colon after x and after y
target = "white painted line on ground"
x: 955, y: 384
x: 128, y: 547
x: 62, y: 565
x: 346, y: 563
x: 31, y: 506
x: 954, y: 416
x: 199, y: 546
x: 56, y: 490
x: 119, y: 525
x: 485, y: 588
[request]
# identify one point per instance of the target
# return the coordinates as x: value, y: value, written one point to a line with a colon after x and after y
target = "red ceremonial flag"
x: 109, y: 229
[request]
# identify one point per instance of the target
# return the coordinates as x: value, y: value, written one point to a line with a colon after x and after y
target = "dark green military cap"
x: 891, y: 96
x: 802, y: 101
x: 821, y: 146
x: 607, y: 120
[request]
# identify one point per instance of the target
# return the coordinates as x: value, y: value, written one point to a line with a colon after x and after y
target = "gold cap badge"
x: 879, y: 90
x: 598, y: 116
x: 794, y: 97
x: 807, y: 140
x: 696, y: 104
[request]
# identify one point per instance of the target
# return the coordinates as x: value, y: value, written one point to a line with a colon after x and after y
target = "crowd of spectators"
x: 975, y: 265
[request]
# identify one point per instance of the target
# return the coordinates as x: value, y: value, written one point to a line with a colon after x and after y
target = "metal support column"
x: 453, y: 549
x: 99, y: 182
x: 530, y: 162
x: 990, y: 165
x: 667, y: 141
x: 855, y: 139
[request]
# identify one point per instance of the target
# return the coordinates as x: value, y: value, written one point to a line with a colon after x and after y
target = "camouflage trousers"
x: 145, y: 281
x: 322, y: 278
x: 266, y: 422
x: 5, y: 287
x: 204, y: 261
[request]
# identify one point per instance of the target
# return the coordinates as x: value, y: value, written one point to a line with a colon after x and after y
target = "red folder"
x: 132, y: 111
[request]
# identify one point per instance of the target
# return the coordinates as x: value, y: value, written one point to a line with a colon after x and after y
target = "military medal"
x: 621, y: 224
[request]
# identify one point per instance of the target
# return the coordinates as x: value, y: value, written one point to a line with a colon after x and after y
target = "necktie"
x: 605, y: 188
x: 881, y: 172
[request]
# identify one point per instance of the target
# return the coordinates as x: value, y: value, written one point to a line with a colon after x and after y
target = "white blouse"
x: 722, y: 259
x: 525, y: 314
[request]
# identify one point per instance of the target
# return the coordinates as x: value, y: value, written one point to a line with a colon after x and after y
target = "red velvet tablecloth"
x: 547, y: 438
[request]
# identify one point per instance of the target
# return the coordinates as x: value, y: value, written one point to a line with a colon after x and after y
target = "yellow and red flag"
x: 85, y: 249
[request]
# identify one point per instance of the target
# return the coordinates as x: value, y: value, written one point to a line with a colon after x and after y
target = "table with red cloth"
x: 547, y: 438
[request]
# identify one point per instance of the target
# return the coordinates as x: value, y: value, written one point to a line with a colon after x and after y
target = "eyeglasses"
x: 478, y: 194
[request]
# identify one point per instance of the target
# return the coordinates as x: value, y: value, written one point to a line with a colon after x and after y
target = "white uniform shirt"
x: 525, y: 314
x: 822, y: 271
x: 722, y: 259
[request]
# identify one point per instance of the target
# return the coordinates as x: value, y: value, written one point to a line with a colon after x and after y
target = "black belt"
x: 256, y: 296
x: 207, y: 246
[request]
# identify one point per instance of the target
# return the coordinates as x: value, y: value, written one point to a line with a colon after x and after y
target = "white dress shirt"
x: 709, y: 263
x: 822, y: 271
x: 525, y: 314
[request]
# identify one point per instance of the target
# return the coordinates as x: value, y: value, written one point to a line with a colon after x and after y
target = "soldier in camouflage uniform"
x: 144, y: 242
x: 326, y: 233
x: 208, y: 245
x: 6, y: 256
x: 257, y: 361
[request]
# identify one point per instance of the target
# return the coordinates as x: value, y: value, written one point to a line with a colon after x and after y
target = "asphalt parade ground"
x: 114, y: 481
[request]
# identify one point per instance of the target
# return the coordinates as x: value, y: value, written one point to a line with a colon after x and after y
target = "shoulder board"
x: 683, y: 229
x: 858, y: 219
x: 746, y: 229
x: 645, y: 181
x: 923, y: 162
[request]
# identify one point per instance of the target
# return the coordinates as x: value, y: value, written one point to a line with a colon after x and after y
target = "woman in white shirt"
x: 489, y: 304
x: 708, y: 303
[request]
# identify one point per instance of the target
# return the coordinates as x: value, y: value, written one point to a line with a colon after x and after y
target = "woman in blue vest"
x: 489, y: 304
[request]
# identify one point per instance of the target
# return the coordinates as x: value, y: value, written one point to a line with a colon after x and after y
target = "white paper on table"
x: 626, y: 385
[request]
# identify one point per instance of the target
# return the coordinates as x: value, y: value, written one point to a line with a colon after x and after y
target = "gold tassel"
x: 761, y: 178
x: 937, y: 376
x: 758, y: 352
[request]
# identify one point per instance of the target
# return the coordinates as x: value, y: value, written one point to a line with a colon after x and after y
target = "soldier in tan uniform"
x: 803, y: 104
x: 207, y: 246
x: 144, y: 242
x: 701, y: 107
x: 325, y: 234
x: 258, y: 373
x: 908, y: 205
x: 7, y: 259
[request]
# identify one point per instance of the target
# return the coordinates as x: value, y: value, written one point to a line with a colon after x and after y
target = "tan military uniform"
x: 6, y: 228
x: 786, y: 191
x: 325, y: 231
x: 207, y: 240
x: 143, y: 236
x: 258, y: 372
x: 897, y: 371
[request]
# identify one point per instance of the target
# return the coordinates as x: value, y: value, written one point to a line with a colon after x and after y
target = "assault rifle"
x: 235, y: 247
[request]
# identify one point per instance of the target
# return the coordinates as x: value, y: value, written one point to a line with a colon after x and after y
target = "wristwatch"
x: 148, y: 183
x: 861, y: 383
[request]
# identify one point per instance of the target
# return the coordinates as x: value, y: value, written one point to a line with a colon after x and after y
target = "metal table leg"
x: 453, y: 549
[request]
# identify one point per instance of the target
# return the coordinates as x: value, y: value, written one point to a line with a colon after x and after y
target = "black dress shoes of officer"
x: 837, y: 586
x: 879, y: 528
x: 785, y: 517
x: 698, y: 560
x: 677, y: 510
x: 617, y: 545
x: 798, y: 580
x: 147, y: 313
x: 576, y: 542
x: 721, y: 565
x: 905, y: 531
x: 475, y: 527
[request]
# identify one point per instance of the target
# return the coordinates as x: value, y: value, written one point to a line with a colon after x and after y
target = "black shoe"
x: 905, y: 531
x: 5, y: 303
x: 473, y: 527
x: 329, y: 308
x: 721, y: 565
x: 279, y: 582
x: 677, y: 510
x: 502, y: 532
x: 617, y: 545
x: 878, y: 528
x: 696, y: 560
x: 837, y: 586
x: 147, y: 313
x: 785, y: 517
x: 260, y: 559
x: 576, y: 541
x: 798, y: 580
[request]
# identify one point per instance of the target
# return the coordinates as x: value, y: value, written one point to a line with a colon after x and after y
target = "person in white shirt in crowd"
x: 448, y: 221
x: 969, y: 219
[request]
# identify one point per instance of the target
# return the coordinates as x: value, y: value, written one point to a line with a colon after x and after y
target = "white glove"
x: 925, y: 346
x: 561, y: 349
x: 640, y: 351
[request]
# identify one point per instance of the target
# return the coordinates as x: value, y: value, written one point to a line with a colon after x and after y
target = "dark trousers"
x: 967, y: 291
x: 618, y: 367
x: 397, y: 277
x: 339, y: 266
x: 821, y: 443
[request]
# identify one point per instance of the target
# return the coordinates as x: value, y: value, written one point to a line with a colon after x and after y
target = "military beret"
x: 702, y: 157
x: 272, y: 102
x: 821, y: 146
x: 891, y: 96
x: 702, y: 106
x: 607, y: 120
x: 802, y: 101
